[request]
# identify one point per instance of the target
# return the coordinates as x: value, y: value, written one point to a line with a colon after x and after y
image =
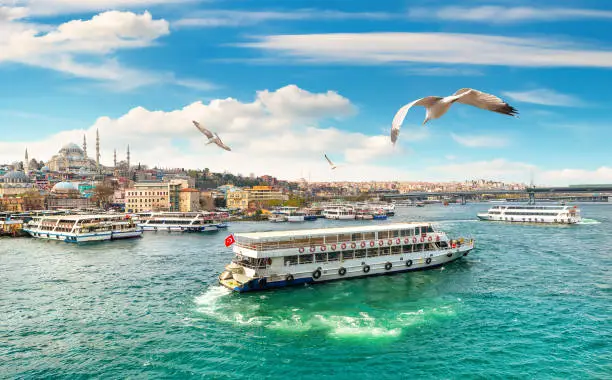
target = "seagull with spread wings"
x: 331, y: 164
x: 437, y: 106
x: 212, y: 138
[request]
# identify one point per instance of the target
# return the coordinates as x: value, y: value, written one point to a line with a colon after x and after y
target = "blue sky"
x: 335, y: 74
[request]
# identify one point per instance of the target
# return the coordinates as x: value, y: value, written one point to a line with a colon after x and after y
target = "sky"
x: 283, y: 82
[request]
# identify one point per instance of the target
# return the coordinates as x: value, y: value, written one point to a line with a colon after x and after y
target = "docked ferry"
x: 339, y: 213
x: 562, y: 214
x: 83, y: 228
x: 265, y: 260
x: 184, y: 221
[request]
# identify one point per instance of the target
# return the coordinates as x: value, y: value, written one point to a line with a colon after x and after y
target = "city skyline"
x: 283, y: 84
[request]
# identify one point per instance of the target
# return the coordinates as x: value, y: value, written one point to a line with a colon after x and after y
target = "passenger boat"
x: 339, y: 213
x: 184, y: 221
x: 532, y: 214
x: 10, y: 226
x: 83, y: 228
x: 265, y: 260
x: 292, y: 213
x: 277, y: 217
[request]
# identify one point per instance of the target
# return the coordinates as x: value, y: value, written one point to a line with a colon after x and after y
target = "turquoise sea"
x: 530, y: 301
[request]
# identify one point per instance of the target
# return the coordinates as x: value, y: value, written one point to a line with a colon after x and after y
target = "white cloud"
x: 232, y: 18
x: 440, y: 48
x: 544, y: 97
x: 501, y: 14
x: 443, y: 71
x: 472, y: 141
x: 277, y: 133
x: 83, y: 48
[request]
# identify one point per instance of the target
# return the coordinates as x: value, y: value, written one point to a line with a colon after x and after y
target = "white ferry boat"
x: 339, y: 213
x: 83, y: 228
x: 292, y: 213
x: 532, y: 214
x: 265, y: 260
x: 184, y: 221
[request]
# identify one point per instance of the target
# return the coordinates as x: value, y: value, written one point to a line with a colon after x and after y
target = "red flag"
x: 229, y: 240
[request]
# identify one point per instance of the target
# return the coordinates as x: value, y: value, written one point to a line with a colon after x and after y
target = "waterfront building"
x: 22, y: 203
x: 15, y: 183
x: 189, y: 200
x: 257, y: 196
x: 154, y: 196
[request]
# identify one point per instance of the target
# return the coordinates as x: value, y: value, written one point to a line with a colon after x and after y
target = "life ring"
x: 323, y: 248
x: 388, y: 265
x: 380, y: 242
x: 343, y: 245
x: 262, y: 282
x: 353, y: 245
x: 428, y: 261
x: 454, y: 245
x: 429, y: 238
x: 406, y: 240
x: 409, y: 263
x: 301, y: 250
x: 390, y: 242
x: 333, y: 247
x: 422, y: 239
x: 437, y: 237
x: 316, y: 274
x: 312, y: 249
x: 398, y: 241
x: 366, y: 268
x: 269, y: 261
x: 342, y: 271
x: 371, y: 243
x: 450, y: 254
x: 289, y: 278
x: 414, y: 239
x: 363, y: 244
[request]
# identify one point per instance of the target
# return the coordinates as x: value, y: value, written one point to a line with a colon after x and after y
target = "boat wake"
x: 589, y: 221
x: 217, y: 304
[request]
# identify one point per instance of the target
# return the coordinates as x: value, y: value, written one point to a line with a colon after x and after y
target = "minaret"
x: 97, y: 151
x: 115, y: 158
x: 128, y: 160
x: 84, y: 146
x: 26, y: 163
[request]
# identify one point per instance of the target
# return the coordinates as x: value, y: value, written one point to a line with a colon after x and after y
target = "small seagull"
x: 333, y: 166
x: 212, y: 138
x: 437, y: 106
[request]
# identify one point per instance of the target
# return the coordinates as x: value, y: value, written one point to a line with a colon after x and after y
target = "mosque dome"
x: 15, y: 177
x: 64, y: 186
x: 72, y: 147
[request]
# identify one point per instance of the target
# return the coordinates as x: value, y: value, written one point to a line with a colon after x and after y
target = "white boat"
x: 184, y: 221
x: 292, y: 213
x: 265, y: 260
x: 339, y: 213
x: 83, y: 228
x: 532, y: 214
x: 277, y: 217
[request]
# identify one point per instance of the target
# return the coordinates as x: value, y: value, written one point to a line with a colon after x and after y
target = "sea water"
x: 530, y: 301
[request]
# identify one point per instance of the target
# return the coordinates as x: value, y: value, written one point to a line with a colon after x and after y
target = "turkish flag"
x: 229, y: 240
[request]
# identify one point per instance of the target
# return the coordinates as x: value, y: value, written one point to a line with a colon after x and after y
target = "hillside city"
x: 73, y: 180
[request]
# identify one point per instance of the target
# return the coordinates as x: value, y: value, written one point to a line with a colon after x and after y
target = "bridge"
x: 592, y: 190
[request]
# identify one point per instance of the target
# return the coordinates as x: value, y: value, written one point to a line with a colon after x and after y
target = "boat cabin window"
x: 291, y: 260
x: 384, y: 251
x: 344, y: 237
x: 355, y: 237
x: 369, y: 235
x: 317, y: 240
x: 408, y: 232
x: 347, y: 255
x: 372, y: 252
x: 383, y: 234
x: 305, y: 259
x: 395, y: 250
x: 406, y: 248
x: 360, y: 253
x: 320, y: 257
x: 332, y: 256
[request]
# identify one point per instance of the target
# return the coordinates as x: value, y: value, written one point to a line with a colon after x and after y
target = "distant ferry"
x: 339, y: 213
x: 265, y: 260
x: 83, y: 228
x: 184, y: 221
x: 533, y: 214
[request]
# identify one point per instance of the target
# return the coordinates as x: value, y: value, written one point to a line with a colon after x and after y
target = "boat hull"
x: 355, y: 271
x: 540, y: 220
x: 84, y: 238
x: 183, y: 228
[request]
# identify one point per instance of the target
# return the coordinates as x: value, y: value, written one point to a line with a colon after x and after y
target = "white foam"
x: 589, y: 221
x: 371, y: 332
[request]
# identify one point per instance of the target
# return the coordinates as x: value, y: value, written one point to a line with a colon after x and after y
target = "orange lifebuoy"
x: 343, y: 246
x: 429, y: 239
x: 422, y: 239
x: 363, y: 244
x: 353, y: 245
x: 406, y: 240
x: 437, y: 237
x: 414, y: 239
x: 380, y: 242
x: 398, y: 240
x: 371, y: 243
x: 301, y: 250
x: 390, y: 242
x: 323, y: 248
x: 312, y: 249
x: 454, y: 245
x: 333, y: 247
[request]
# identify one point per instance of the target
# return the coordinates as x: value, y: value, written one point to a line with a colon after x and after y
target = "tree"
x: 102, y: 194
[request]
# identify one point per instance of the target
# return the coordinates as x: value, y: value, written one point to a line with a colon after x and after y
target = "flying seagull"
x: 437, y: 106
x: 333, y: 166
x: 212, y: 138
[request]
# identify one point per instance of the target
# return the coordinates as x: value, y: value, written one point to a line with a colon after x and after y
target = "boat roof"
x: 539, y: 207
x: 79, y: 217
x: 328, y: 231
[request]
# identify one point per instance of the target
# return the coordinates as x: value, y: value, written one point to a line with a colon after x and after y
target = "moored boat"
x: 532, y: 214
x: 266, y: 260
x: 83, y: 228
x: 203, y: 221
